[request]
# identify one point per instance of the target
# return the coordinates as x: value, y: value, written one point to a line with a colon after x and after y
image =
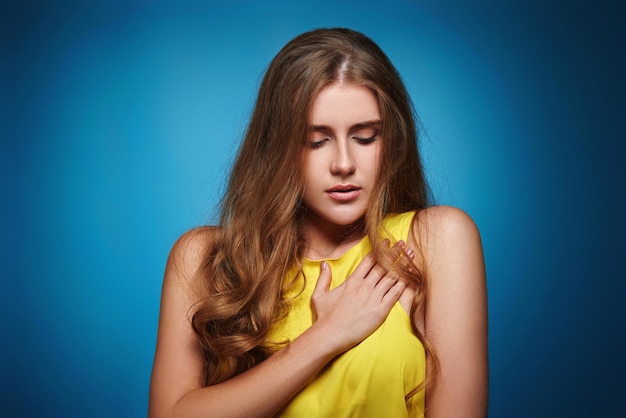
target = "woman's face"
x: 342, y: 155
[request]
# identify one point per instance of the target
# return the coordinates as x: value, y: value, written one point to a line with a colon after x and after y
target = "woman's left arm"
x: 455, y: 315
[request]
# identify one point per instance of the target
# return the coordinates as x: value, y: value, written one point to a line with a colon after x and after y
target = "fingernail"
x: 323, y: 265
x: 409, y: 251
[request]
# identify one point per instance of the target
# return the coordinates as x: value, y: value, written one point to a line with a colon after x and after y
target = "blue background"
x: 119, y: 121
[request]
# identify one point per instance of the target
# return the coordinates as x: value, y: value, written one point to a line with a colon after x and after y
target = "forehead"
x: 343, y: 105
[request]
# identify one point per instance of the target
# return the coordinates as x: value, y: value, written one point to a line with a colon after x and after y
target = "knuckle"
x: 379, y: 270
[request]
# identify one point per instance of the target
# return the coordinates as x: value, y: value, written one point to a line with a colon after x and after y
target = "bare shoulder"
x: 455, y: 317
x: 447, y: 237
x: 444, y: 222
x: 178, y: 361
x: 188, y: 254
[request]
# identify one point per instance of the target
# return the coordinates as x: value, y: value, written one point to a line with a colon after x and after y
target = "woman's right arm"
x: 344, y: 317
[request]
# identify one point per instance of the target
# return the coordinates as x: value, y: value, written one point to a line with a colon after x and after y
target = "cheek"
x: 377, y: 158
x: 311, y: 174
x: 313, y: 165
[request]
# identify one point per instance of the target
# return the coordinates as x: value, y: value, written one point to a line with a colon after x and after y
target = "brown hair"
x: 259, y: 236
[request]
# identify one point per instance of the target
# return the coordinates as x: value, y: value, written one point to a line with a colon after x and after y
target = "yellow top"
x: 373, y: 378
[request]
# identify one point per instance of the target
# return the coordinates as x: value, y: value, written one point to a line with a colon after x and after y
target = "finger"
x: 396, y: 252
x: 399, y: 261
x: 323, y: 282
x: 375, y: 275
x: 393, y: 294
x: 378, y: 272
x: 384, y: 285
x: 364, y: 267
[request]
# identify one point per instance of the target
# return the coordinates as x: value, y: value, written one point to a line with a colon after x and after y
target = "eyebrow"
x: 361, y: 125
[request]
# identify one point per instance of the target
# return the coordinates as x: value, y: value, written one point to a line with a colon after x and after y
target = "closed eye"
x: 365, y: 141
x: 317, y: 144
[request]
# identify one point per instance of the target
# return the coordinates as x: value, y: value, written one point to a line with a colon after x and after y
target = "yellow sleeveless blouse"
x: 373, y: 378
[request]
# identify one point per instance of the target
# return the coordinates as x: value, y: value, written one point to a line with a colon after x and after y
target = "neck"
x: 324, y: 240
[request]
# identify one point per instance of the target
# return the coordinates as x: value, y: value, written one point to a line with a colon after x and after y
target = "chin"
x: 337, y: 216
x: 346, y: 219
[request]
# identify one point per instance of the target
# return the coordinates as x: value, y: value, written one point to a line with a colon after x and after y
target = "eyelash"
x: 365, y: 141
x: 360, y: 140
x: 317, y: 144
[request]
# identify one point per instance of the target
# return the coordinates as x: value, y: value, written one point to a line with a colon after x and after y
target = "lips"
x: 344, y: 192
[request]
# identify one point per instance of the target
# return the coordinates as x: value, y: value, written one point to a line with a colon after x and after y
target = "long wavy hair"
x: 259, y: 237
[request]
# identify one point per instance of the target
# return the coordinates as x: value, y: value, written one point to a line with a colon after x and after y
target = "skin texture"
x: 454, y: 319
x: 344, y: 316
x: 343, y: 154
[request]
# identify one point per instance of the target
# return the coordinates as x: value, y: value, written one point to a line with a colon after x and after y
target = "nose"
x: 343, y: 163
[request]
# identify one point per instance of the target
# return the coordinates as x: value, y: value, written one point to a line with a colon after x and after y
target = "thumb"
x: 323, y: 281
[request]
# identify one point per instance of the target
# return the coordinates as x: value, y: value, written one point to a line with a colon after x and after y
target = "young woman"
x: 331, y: 287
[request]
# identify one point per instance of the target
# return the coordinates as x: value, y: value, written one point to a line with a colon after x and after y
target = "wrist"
x: 321, y: 340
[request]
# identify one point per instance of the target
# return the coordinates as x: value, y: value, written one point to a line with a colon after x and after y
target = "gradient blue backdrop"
x: 119, y: 120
